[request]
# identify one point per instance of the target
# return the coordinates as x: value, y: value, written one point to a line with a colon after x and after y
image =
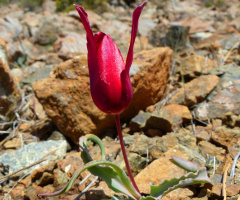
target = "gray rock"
x: 142, y: 145
x: 70, y: 44
x: 176, y: 37
x: 10, y: 28
x: 163, y: 121
x: 139, y: 121
x: 157, y: 36
x: 134, y: 69
x: 21, y: 50
x: 37, y: 71
x: 33, y: 152
x: 223, y: 99
x: 228, y: 42
x: 56, y: 136
x: 146, y: 26
x: 194, y: 155
x: 217, y: 178
x: 137, y: 163
x: 47, y: 33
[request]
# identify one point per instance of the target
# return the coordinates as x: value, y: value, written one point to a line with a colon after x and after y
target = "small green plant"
x: 67, y: 5
x: 30, y: 4
x: 219, y: 3
x: 216, y: 3
x: 4, y: 2
x: 118, y: 181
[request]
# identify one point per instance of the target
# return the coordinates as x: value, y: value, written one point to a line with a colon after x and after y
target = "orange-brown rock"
x: 231, y: 190
x: 162, y: 169
x: 66, y: 97
x: 179, y: 110
x: 195, y: 91
x: 195, y: 65
x: 225, y: 137
x: 9, y: 92
x: 169, y: 118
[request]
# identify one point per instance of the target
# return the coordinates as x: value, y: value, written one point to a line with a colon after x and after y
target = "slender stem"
x: 117, y: 120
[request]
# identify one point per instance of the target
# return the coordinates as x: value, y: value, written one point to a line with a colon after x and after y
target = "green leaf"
x: 184, y: 164
x: 116, y: 179
x: 112, y: 174
x: 147, y: 198
x: 116, y: 198
x: 189, y: 179
x: 83, y: 147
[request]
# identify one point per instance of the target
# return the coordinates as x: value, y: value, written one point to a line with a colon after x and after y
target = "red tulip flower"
x: 110, y: 83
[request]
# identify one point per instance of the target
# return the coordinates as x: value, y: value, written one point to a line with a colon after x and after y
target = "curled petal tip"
x: 143, y: 4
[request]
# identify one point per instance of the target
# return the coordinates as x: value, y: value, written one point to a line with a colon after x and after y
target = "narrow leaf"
x: 189, y: 179
x: 147, y: 198
x: 116, y: 179
x: 184, y: 164
x: 118, y: 182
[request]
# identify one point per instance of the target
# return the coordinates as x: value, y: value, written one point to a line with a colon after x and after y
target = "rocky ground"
x: 186, y: 80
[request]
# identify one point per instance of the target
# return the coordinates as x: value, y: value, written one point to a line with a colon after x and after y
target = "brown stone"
x: 66, y: 96
x: 206, y: 148
x: 17, y: 191
x: 197, y: 25
x: 112, y: 149
x: 71, y: 163
x: 9, y: 92
x: 159, y: 170
x: 231, y: 190
x: 226, y: 137
x: 60, y: 177
x: 169, y: 118
x: 180, y: 193
x: 179, y: 110
x: 38, y: 173
x: 154, y: 132
x: 195, y: 65
x: 195, y: 91
x: 26, y: 181
x: 31, y: 193
x: 46, y: 178
x: 102, y: 190
x: 203, y: 135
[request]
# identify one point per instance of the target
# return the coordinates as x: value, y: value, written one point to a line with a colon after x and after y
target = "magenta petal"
x: 85, y: 22
x: 135, y: 18
x: 92, y: 59
x: 110, y: 60
x: 107, y: 88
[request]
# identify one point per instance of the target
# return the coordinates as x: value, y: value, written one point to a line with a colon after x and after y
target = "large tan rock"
x: 160, y: 170
x: 66, y: 97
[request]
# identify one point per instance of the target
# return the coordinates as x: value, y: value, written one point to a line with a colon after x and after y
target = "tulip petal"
x: 92, y: 63
x: 86, y: 24
x: 135, y: 18
x: 111, y: 65
x: 110, y: 60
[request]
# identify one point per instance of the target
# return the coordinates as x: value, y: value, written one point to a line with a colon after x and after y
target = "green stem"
x: 117, y: 120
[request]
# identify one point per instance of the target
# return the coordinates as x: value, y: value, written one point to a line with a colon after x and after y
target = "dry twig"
x: 224, y: 182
